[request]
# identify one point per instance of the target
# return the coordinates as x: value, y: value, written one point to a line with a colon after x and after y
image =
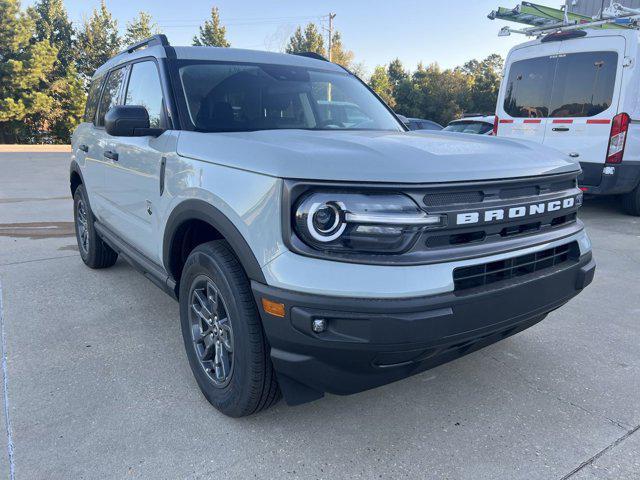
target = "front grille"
x: 452, y: 198
x: 487, y: 273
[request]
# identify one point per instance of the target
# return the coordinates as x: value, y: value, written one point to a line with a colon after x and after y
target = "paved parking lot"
x: 98, y: 385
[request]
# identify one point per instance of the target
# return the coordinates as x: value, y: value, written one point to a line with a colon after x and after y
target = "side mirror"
x: 129, y: 121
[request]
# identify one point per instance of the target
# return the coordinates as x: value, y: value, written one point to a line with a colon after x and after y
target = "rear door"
x: 525, y: 93
x: 132, y: 182
x: 584, y: 100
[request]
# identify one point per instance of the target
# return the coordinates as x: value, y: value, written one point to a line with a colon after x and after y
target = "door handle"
x: 560, y: 129
x: 111, y: 155
x: 84, y: 148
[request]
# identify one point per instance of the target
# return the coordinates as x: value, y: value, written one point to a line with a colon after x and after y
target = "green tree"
x: 62, y: 88
x: 98, y: 41
x: 486, y: 76
x: 309, y: 40
x: 397, y: 74
x: 339, y: 54
x: 381, y: 84
x: 140, y: 28
x: 212, y: 34
x: 25, y: 66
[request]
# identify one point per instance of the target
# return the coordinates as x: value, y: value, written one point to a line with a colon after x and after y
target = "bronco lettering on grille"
x: 523, y: 211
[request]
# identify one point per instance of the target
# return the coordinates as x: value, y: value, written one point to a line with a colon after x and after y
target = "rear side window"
x: 145, y: 89
x: 569, y: 85
x: 92, y: 100
x: 584, y: 83
x: 110, y: 94
x: 529, y: 87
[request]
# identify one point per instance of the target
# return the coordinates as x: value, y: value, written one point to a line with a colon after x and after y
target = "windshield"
x: 469, y: 127
x: 239, y: 97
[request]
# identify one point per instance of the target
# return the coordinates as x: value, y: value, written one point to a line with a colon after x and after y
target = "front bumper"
x: 372, y: 342
x: 621, y: 178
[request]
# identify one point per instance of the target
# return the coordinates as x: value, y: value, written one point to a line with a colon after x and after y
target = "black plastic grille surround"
x: 487, y: 273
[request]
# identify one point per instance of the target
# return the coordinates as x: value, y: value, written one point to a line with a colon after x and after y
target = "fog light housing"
x: 319, y: 325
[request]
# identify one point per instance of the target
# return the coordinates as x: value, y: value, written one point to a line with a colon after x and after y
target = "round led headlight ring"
x: 325, y: 221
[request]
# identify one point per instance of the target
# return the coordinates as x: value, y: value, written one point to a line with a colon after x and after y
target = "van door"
x: 523, y: 105
x: 584, y: 101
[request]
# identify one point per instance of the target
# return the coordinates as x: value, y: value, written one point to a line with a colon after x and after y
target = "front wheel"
x: 223, y: 336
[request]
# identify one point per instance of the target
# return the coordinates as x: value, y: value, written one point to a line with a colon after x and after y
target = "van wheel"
x: 222, y: 331
x: 631, y: 201
x: 94, y: 252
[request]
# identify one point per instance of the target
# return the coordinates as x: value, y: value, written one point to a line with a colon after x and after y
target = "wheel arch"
x: 75, y: 177
x: 195, y: 211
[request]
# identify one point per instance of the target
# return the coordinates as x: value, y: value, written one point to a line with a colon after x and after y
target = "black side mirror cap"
x: 129, y: 121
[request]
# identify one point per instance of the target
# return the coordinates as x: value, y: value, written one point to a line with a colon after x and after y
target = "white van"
x: 579, y: 91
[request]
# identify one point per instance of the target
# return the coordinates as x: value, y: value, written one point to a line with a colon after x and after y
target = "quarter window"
x: 145, y: 89
x: 110, y: 94
x: 92, y: 100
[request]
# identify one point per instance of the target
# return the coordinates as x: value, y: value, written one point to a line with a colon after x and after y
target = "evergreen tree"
x: 98, y: 41
x: 381, y: 84
x: 397, y: 74
x: 309, y: 40
x: 140, y: 28
x: 339, y: 54
x: 212, y: 34
x: 25, y: 65
x: 52, y: 23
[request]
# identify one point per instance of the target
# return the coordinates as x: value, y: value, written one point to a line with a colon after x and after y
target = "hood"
x: 375, y: 156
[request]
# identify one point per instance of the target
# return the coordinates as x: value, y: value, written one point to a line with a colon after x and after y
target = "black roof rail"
x: 314, y: 55
x: 159, y: 39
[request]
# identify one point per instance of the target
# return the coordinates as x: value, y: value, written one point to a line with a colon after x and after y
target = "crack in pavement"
x: 609, y: 447
x: 5, y: 384
x: 36, y: 260
x: 535, y: 387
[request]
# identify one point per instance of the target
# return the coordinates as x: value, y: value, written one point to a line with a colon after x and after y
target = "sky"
x: 448, y: 32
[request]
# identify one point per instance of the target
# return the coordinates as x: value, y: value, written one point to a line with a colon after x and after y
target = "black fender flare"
x: 200, y: 210
x: 74, y: 168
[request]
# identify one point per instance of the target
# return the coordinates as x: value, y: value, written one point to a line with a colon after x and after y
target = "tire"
x: 94, y: 252
x: 631, y: 202
x: 217, y: 311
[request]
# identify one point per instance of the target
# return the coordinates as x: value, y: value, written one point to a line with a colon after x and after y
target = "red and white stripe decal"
x: 562, y: 120
x: 598, y: 121
x: 533, y: 120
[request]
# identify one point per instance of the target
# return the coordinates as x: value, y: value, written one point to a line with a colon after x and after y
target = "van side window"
x: 568, y: 85
x: 584, y: 83
x: 92, y: 100
x: 529, y: 87
x: 145, y: 89
x: 110, y: 94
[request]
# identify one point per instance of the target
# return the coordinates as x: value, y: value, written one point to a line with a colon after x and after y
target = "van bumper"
x: 371, y: 342
x: 620, y: 178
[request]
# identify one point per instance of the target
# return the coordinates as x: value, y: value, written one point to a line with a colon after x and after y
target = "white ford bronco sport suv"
x: 313, y: 251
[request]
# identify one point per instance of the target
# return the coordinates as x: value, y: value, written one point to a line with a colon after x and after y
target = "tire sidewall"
x: 229, y: 398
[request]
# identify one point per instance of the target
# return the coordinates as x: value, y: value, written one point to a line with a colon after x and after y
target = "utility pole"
x: 331, y: 17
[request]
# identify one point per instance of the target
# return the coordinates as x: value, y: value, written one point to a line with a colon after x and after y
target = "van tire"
x: 631, y: 202
x: 94, y: 253
x: 212, y: 271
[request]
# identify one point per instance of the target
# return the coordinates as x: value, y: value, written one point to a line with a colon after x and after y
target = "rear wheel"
x: 223, y: 336
x: 631, y: 202
x: 94, y: 252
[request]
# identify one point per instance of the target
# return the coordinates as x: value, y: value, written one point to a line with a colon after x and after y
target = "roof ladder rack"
x: 544, y: 20
x: 313, y: 55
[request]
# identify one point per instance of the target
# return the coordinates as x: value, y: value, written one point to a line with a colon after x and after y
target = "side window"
x: 145, y: 89
x: 110, y: 94
x: 92, y: 100
x: 529, y: 87
x: 584, y: 83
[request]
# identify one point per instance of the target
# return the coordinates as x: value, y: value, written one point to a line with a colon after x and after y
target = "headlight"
x: 361, y: 222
